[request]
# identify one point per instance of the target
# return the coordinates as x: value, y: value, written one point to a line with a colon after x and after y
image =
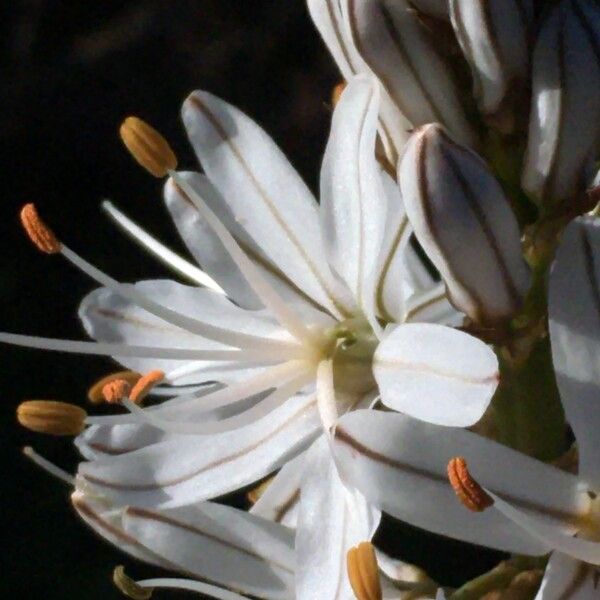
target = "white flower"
x: 335, y: 332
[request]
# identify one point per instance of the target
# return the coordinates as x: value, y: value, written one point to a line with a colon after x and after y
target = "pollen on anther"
x: 142, y: 388
x: 469, y: 492
x: 39, y: 233
x: 114, y: 391
x: 147, y: 146
x: 95, y: 393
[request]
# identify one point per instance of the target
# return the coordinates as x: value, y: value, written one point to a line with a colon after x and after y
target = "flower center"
x: 352, y: 345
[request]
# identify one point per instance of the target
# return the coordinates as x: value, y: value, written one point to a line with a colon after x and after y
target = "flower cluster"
x: 421, y: 341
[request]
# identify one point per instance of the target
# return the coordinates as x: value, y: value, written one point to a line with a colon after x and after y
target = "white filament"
x: 49, y: 467
x: 164, y: 254
x: 192, y: 586
x: 270, y: 298
x: 326, y: 395
x: 260, y: 410
x: 217, y: 334
x: 105, y: 349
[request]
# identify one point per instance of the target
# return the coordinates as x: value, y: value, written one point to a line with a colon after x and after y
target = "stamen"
x: 50, y: 468
x: 326, y: 395
x: 147, y: 146
x: 129, y: 587
x: 96, y: 391
x: 115, y: 391
x: 363, y: 572
x: 51, y: 417
x: 142, y: 388
x: 191, y: 585
x: 167, y: 256
x: 469, y: 492
x: 39, y: 233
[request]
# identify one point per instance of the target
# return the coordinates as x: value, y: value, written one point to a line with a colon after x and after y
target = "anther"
x: 363, y: 572
x: 145, y: 384
x: 128, y: 587
x: 469, y: 492
x: 95, y: 393
x: 114, y: 391
x: 148, y: 147
x: 39, y: 233
x: 336, y: 93
x: 51, y: 417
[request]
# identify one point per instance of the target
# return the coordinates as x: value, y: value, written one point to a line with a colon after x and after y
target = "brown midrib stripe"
x: 142, y: 513
x: 286, y: 506
x: 353, y: 443
x: 148, y: 487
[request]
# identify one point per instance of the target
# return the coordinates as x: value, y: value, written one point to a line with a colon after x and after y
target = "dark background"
x: 70, y: 72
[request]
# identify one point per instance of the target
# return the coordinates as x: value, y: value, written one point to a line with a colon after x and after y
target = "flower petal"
x: 221, y: 544
x: 196, y: 468
x: 435, y: 373
x: 332, y: 520
x: 400, y: 464
x: 264, y: 194
x: 575, y: 336
x: 353, y: 205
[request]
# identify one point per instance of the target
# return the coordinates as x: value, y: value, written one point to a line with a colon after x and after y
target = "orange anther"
x: 147, y: 146
x: 145, y: 384
x: 39, y: 233
x: 51, y: 417
x: 469, y: 492
x: 114, y: 391
x: 95, y: 393
x: 336, y: 93
x: 363, y: 572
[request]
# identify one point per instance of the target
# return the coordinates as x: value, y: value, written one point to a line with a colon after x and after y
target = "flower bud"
x: 494, y: 37
x: 464, y: 222
x: 390, y: 39
x: 564, y: 127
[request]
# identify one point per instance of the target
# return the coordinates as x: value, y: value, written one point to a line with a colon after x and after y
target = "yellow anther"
x: 363, y: 572
x: 469, y: 492
x: 114, y: 391
x: 336, y: 93
x: 147, y: 146
x: 51, y: 417
x: 95, y: 393
x: 129, y: 587
x: 39, y: 233
x: 145, y: 384
x: 255, y: 493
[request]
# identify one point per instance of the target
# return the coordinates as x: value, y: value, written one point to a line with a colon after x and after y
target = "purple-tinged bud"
x: 494, y: 36
x: 465, y: 224
x: 564, y: 127
x: 388, y: 36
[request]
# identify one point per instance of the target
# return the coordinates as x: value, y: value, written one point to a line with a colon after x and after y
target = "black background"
x: 70, y: 72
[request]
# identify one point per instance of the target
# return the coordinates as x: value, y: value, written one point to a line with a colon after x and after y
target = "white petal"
x: 433, y: 306
x: 400, y: 465
x: 574, y: 309
x: 568, y: 579
x: 435, y: 373
x: 221, y: 544
x: 353, y: 205
x: 108, y: 317
x: 332, y: 520
x: 281, y: 498
x: 201, y: 467
x: 264, y: 193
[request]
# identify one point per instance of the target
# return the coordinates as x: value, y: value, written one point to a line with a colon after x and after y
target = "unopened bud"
x: 363, y: 572
x: 51, y: 417
x: 390, y: 39
x: 564, y: 125
x: 494, y: 37
x: 148, y: 147
x: 464, y: 222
